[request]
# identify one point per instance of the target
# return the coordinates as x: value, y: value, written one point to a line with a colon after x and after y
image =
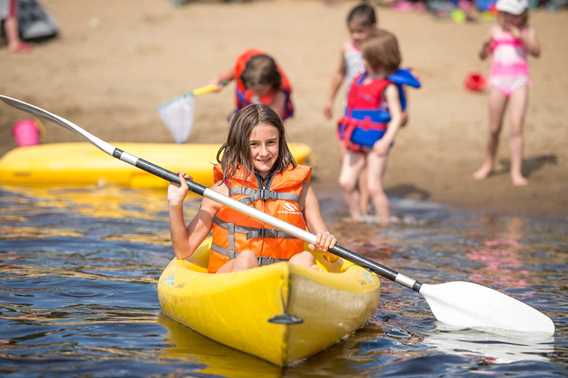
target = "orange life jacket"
x: 234, y: 232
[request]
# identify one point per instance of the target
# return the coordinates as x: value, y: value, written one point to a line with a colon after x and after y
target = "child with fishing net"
x: 259, y: 80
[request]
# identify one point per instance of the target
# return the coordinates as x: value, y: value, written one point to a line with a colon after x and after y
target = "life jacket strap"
x: 252, y: 232
x: 267, y: 260
x: 262, y: 194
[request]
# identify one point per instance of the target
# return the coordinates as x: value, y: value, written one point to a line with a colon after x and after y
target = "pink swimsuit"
x: 509, y: 68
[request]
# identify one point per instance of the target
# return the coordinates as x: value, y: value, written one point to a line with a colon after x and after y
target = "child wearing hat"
x: 511, y: 42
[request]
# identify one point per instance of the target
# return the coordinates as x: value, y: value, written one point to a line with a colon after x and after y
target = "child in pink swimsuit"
x: 512, y: 40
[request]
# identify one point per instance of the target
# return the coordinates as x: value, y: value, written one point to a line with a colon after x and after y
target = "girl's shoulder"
x: 528, y: 31
x: 220, y: 187
x: 496, y: 31
x: 349, y: 47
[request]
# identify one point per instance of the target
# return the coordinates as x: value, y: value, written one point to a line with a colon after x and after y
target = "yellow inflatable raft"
x: 281, y: 313
x: 78, y: 164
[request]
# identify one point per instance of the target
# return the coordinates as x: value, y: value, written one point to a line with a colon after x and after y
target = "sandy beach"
x: 115, y: 62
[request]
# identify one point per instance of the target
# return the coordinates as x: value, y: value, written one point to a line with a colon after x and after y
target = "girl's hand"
x: 328, y: 111
x: 324, y: 241
x: 381, y: 147
x: 176, y: 194
x: 515, y: 32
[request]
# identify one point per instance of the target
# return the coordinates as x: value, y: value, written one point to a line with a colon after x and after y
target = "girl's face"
x: 261, y: 90
x: 359, y: 32
x: 264, y: 144
x: 509, y: 20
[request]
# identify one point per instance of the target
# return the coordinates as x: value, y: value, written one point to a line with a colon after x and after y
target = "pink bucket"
x: 26, y: 132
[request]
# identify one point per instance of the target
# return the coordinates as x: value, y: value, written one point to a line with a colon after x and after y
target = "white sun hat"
x: 515, y: 7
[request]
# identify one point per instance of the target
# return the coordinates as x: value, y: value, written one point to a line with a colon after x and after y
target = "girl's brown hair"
x: 381, y: 51
x: 261, y: 70
x: 235, y: 151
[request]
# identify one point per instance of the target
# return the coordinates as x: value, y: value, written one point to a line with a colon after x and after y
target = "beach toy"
x: 458, y: 16
x: 26, y: 132
x: 475, y: 82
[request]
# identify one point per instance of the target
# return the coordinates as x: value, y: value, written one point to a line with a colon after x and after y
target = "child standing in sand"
x: 362, y: 24
x: 511, y: 41
x: 259, y: 80
x: 368, y: 130
x: 256, y: 168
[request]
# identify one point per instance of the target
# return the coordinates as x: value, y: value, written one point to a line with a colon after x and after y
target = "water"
x: 78, y: 292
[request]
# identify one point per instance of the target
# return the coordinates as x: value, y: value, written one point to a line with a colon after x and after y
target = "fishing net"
x: 178, y: 116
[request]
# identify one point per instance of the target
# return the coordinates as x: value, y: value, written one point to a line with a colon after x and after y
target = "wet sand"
x: 115, y: 62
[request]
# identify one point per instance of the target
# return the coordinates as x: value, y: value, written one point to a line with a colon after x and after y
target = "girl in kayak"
x: 373, y: 116
x: 255, y: 167
x: 259, y: 80
x: 512, y: 40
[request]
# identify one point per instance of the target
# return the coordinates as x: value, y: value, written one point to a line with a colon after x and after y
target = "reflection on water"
x: 78, y: 296
x: 493, y: 348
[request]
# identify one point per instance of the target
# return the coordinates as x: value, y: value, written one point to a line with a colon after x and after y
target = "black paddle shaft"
x: 156, y: 170
x: 337, y: 249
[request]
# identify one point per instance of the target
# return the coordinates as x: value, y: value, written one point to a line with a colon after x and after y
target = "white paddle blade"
x: 178, y: 116
x: 468, y: 305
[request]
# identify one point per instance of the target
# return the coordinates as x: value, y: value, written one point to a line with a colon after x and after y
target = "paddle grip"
x: 362, y: 261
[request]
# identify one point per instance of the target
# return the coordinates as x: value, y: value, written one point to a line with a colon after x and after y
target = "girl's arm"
x: 485, y: 50
x: 531, y: 42
x: 393, y: 102
x: 186, y: 239
x: 224, y: 78
x: 315, y: 222
x: 279, y: 104
x: 336, y: 81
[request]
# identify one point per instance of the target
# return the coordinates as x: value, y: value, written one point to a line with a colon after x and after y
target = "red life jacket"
x: 234, y: 232
x: 366, y: 114
x: 244, y: 96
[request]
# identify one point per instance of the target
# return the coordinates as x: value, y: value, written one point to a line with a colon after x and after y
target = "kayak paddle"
x: 458, y: 304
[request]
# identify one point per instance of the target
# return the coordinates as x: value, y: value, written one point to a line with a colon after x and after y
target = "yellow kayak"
x: 281, y: 313
x: 78, y: 164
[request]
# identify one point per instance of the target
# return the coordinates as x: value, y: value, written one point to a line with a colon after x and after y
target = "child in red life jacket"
x: 371, y: 122
x: 256, y: 168
x: 259, y: 80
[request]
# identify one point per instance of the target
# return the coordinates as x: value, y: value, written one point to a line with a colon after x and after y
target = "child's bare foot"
x: 483, y: 172
x: 352, y: 219
x: 519, y: 181
x: 373, y: 219
x: 19, y: 47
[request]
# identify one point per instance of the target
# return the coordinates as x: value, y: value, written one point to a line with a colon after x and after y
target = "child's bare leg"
x: 351, y: 168
x: 363, y: 191
x: 497, y: 104
x: 304, y: 259
x: 518, y: 104
x: 376, y: 167
x: 244, y: 260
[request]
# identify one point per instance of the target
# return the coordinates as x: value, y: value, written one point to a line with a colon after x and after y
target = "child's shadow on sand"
x: 530, y: 165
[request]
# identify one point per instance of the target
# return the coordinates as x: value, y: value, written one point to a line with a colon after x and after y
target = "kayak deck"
x: 82, y: 164
x: 282, y: 313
